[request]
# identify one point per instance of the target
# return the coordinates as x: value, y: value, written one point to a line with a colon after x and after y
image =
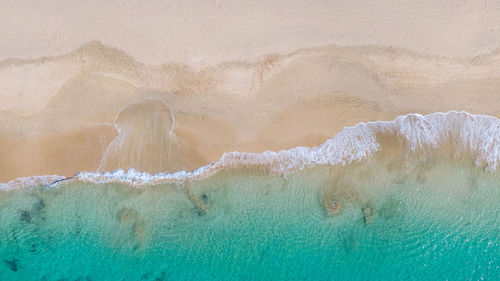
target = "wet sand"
x: 76, y: 114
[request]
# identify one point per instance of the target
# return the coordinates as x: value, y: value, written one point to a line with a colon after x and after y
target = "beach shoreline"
x: 409, y: 139
x: 273, y: 103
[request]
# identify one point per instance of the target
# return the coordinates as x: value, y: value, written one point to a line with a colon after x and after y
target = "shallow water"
x: 430, y: 220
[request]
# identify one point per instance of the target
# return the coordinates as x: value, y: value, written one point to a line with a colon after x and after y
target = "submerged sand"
x: 97, y: 108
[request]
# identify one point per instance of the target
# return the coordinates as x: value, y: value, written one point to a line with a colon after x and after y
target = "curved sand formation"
x: 145, y: 132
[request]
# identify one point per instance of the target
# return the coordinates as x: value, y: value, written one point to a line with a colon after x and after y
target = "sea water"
x: 417, y: 198
x: 431, y: 220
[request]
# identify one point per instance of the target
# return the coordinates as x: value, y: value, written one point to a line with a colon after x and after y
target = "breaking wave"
x: 413, y: 136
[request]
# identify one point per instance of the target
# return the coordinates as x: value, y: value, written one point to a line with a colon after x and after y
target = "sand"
x: 201, y: 32
x: 166, y: 86
x: 116, y: 112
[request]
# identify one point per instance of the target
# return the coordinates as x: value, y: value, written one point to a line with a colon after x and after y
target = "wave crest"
x: 464, y: 133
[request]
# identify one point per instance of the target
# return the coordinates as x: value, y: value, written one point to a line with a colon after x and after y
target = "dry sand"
x: 97, y: 108
x: 214, y: 31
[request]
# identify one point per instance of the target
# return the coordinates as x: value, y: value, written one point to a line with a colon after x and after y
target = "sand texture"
x: 97, y: 108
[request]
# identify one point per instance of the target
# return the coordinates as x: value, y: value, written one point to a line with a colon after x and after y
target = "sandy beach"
x: 111, y: 111
x: 249, y: 140
x: 168, y: 93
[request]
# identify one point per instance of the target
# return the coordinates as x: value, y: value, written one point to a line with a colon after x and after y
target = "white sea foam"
x: 476, y: 134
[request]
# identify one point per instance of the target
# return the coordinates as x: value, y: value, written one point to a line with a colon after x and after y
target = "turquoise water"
x: 433, y: 222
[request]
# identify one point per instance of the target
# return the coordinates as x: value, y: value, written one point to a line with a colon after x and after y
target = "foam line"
x: 477, y: 134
